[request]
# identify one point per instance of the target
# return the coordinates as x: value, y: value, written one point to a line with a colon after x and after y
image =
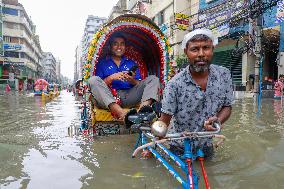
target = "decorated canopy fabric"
x: 145, y: 44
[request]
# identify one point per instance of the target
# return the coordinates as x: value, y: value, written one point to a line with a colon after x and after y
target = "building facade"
x: 58, y: 70
x: 172, y: 16
x: 228, y: 19
x: 77, y: 64
x: 119, y: 9
x: 49, y: 67
x: 92, y: 25
x: 21, y: 56
x: 234, y: 29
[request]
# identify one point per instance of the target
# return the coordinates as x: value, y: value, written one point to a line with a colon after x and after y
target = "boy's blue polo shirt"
x: 107, y: 67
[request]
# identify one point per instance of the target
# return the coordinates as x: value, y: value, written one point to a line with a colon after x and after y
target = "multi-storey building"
x: 119, y: 9
x: 49, y: 67
x: 22, y: 50
x: 229, y: 21
x: 93, y: 23
x: 172, y: 16
x: 77, y: 64
x: 58, y: 70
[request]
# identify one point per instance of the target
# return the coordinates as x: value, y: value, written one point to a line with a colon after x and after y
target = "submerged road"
x: 37, y: 151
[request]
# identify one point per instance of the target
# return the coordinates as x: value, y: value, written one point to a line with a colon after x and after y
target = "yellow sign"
x: 182, y: 21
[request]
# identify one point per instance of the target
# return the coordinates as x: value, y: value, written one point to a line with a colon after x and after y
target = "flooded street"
x: 37, y: 151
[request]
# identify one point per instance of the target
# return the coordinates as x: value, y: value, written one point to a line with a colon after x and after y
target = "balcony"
x: 10, y: 18
x: 12, y: 32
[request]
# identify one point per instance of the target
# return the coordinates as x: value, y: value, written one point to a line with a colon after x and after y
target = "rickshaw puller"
x: 200, y: 94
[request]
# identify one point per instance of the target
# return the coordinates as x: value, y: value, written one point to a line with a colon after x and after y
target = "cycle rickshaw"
x: 146, y: 45
x: 150, y: 49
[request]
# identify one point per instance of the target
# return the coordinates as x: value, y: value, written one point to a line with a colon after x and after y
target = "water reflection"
x: 39, y: 148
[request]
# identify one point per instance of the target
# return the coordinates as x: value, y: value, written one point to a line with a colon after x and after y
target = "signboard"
x: 0, y: 71
x: 213, y: 17
x: 12, y: 47
x: 221, y: 30
x: 182, y: 21
x: 280, y: 12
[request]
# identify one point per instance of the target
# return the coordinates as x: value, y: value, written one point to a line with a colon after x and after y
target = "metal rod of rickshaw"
x: 201, y: 159
x: 157, y: 142
x: 190, y: 177
x: 176, y: 159
x: 179, y: 136
x: 172, y: 171
x: 188, y: 159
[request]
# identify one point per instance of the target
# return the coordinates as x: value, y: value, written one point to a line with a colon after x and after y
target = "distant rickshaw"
x: 53, y: 90
x: 41, y: 87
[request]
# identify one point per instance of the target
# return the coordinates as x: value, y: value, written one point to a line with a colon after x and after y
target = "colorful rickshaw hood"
x: 146, y: 45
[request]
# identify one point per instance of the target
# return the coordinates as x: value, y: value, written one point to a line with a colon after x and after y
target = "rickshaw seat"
x: 103, y: 115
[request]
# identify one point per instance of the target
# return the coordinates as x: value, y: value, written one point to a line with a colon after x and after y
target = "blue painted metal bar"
x: 143, y: 139
x: 175, y: 158
x: 169, y: 168
x: 138, y: 141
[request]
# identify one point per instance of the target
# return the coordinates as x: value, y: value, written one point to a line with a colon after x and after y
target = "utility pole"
x: 256, y: 23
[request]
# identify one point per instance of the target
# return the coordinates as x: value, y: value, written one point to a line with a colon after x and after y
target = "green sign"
x: 0, y: 71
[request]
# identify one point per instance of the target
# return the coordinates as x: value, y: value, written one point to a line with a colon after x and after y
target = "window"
x: 7, y: 39
x: 22, y: 41
x: 14, y: 40
x: 10, y: 11
x: 22, y: 54
x: 160, y: 17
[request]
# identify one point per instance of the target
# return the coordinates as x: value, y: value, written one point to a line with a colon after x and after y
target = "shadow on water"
x: 38, y: 149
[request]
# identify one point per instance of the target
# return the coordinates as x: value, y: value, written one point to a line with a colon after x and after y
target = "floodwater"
x: 37, y: 151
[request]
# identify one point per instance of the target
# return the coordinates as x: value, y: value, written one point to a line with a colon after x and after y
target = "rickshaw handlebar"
x: 216, y: 125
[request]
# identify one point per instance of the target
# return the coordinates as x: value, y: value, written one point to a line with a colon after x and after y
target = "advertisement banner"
x: 213, y: 17
x: 221, y: 30
x: 280, y: 12
x: 12, y: 47
x: 182, y: 21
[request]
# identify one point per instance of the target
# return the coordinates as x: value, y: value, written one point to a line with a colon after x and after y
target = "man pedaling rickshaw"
x: 117, y: 72
x: 199, y: 95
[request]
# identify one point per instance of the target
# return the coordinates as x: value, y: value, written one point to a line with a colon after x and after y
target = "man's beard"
x: 199, y: 68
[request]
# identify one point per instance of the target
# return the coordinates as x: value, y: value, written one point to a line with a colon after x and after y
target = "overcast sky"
x: 60, y: 25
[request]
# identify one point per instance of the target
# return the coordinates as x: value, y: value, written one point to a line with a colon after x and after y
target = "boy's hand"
x: 118, y: 76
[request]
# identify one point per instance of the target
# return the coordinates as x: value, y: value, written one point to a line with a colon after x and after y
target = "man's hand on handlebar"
x: 146, y: 154
x: 208, y: 124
